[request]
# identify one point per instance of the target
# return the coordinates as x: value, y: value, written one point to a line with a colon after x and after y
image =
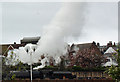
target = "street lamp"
x: 30, y: 49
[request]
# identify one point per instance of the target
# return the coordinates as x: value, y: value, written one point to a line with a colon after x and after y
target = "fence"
x: 105, y: 80
x: 90, y: 74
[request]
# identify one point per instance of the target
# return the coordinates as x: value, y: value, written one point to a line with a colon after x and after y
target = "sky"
x: 25, y: 19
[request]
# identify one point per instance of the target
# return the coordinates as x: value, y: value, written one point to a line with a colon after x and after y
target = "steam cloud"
x: 67, y: 23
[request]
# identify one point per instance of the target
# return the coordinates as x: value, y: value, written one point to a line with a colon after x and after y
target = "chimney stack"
x: 109, y: 44
x: 98, y: 44
x: 94, y: 42
x: 14, y: 42
x: 114, y: 44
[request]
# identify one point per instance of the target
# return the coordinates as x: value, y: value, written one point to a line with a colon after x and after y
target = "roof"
x: 110, y: 50
x: 4, y: 47
x: 30, y: 39
x: 82, y: 46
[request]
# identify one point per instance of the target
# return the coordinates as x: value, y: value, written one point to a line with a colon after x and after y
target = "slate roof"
x: 30, y: 39
x: 82, y: 46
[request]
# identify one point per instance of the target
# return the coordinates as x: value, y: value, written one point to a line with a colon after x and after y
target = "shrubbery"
x: 75, y: 68
x: 78, y: 68
x: 114, y: 71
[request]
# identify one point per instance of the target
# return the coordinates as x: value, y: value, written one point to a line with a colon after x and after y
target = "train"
x: 43, y: 74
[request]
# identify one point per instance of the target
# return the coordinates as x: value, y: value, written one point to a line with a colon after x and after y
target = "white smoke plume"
x: 68, y: 22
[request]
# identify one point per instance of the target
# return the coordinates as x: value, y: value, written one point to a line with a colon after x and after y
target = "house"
x: 110, y: 56
x: 4, y: 48
x: 85, y: 55
x: 103, y: 48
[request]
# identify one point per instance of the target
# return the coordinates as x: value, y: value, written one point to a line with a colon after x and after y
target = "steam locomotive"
x: 43, y: 74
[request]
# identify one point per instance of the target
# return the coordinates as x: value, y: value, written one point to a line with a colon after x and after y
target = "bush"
x: 78, y: 68
x: 13, y: 77
x: 114, y: 71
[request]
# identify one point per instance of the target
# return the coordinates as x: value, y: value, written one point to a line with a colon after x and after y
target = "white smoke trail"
x: 68, y: 22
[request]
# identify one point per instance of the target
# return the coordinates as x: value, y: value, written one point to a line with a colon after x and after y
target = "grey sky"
x: 27, y: 19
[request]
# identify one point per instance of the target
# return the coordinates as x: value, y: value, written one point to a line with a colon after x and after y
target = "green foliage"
x: 12, y: 52
x: 75, y: 68
x: 49, y: 67
x: 99, y: 69
x: 78, y: 68
x: 13, y: 77
x: 7, y: 68
x: 114, y: 71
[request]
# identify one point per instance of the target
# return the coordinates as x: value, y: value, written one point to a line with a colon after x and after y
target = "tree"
x: 114, y: 71
x: 12, y: 65
x: 87, y: 58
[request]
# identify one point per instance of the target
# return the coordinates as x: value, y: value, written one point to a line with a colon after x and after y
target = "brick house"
x: 85, y: 55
